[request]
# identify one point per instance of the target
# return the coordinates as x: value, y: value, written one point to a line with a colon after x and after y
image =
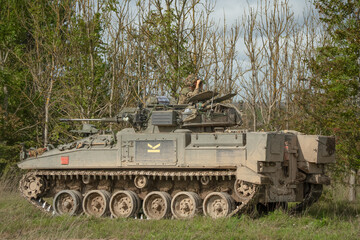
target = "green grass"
x: 327, y: 219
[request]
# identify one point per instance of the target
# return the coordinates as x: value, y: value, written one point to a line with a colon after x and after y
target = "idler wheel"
x: 218, y: 204
x: 185, y: 205
x: 96, y: 203
x: 68, y: 202
x: 124, y: 204
x: 32, y: 186
x: 156, y: 205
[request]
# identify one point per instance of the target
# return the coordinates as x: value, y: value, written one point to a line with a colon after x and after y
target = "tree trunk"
x: 352, y: 186
x: 254, y: 120
x: 46, y: 126
x: 6, y: 102
x: 47, y: 106
x: 5, y: 89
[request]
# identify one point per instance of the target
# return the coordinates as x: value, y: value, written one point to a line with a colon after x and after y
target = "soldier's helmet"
x: 191, y: 80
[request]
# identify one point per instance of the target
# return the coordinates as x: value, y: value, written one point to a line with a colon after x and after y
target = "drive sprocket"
x: 32, y: 186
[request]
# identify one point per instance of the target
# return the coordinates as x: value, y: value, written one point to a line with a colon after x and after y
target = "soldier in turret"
x: 193, y: 86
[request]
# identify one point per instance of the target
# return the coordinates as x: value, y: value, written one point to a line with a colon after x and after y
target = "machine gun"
x: 89, y: 129
x: 106, y: 120
x: 137, y: 117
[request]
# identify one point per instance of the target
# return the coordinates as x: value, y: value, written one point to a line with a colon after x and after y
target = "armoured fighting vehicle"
x: 177, y: 161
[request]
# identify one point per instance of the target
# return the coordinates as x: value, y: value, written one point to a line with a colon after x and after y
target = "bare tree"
x: 251, y: 81
x: 275, y: 68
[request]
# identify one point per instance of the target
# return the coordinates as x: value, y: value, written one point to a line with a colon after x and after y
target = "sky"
x: 234, y: 9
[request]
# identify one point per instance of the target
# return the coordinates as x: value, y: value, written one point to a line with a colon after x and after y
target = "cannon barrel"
x: 108, y: 120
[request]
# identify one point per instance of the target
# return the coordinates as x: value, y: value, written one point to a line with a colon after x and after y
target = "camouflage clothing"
x: 187, y: 92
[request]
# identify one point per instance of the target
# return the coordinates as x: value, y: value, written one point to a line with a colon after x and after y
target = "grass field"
x: 327, y: 219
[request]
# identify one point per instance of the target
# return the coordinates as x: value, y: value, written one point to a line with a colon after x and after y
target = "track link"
x: 132, y: 173
x: 35, y: 200
x: 47, y: 208
x: 313, y: 195
x: 246, y: 204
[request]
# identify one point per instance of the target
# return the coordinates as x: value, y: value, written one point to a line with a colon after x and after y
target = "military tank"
x: 177, y: 161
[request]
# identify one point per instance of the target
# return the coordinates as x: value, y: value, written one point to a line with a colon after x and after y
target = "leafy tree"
x: 18, y: 121
x: 84, y: 87
x: 51, y: 66
x: 331, y: 104
x: 163, y: 29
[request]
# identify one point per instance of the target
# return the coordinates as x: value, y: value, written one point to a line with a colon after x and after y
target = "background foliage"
x: 331, y: 103
x: 83, y: 59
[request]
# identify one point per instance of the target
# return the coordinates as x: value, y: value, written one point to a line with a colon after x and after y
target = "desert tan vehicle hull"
x: 179, y: 173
